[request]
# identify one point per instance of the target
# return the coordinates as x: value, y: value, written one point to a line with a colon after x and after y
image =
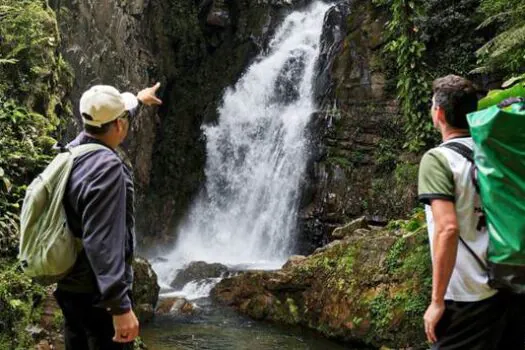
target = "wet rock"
x: 218, y: 19
x: 348, y: 229
x: 371, y: 289
x: 334, y: 32
x: 358, y: 167
x: 144, y: 312
x: 187, y: 308
x: 294, y: 260
x: 328, y: 246
x: 198, y: 270
x: 175, y: 305
x: 145, y: 289
x: 288, y: 82
x: 376, y: 220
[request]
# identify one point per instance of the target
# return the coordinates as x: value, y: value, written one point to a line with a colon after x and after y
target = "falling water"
x: 256, y: 155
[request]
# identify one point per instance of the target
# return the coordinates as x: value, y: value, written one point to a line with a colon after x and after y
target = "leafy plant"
x: 18, y: 296
x: 25, y: 150
x: 33, y: 82
x: 506, y: 51
x: 448, y: 29
x: 407, y: 49
x: 31, y: 70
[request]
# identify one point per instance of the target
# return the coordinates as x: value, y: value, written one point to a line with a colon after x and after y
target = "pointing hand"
x: 148, y: 96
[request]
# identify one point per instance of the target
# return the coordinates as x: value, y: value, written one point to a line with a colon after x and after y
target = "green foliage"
x: 31, y: 70
x: 33, y: 81
x: 506, y: 51
x: 448, y: 29
x: 406, y: 47
x: 139, y: 344
x: 18, y: 298
x: 25, y: 151
x: 413, y: 224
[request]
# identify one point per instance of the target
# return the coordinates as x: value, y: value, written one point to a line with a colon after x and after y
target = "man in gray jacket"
x: 95, y: 297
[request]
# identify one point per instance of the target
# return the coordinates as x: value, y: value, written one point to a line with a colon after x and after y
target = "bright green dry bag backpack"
x: 48, y: 250
x: 499, y: 138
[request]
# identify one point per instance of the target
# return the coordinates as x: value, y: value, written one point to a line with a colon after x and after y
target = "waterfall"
x: 257, y: 154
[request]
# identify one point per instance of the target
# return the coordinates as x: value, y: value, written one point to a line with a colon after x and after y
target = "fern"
x: 506, y: 51
x: 8, y: 61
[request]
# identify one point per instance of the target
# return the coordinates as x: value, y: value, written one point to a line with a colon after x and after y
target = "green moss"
x: 400, y: 307
x: 395, y: 255
x: 381, y: 311
x: 294, y: 310
x: 19, y: 306
x: 339, y: 161
x: 58, y: 319
x: 33, y: 82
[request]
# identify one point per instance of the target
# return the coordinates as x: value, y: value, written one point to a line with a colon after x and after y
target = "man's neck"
x: 450, y: 134
x: 100, y: 138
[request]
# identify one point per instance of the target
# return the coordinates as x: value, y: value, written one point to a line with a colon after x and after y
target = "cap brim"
x: 130, y: 101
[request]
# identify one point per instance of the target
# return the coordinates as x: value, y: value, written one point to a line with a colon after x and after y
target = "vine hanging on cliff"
x: 405, y: 47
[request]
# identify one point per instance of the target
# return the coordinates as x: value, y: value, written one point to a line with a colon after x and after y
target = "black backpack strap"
x: 468, y: 154
x: 510, y: 101
x: 480, y: 262
x: 461, y: 149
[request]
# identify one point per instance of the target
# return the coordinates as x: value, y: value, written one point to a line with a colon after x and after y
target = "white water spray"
x: 256, y: 156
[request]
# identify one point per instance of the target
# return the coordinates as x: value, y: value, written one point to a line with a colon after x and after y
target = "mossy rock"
x: 370, y: 289
x: 145, y: 289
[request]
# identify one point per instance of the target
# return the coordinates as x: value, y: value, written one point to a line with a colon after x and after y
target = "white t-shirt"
x: 445, y: 174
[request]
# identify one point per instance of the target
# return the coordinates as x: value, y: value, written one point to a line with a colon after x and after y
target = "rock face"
x: 368, y: 289
x: 198, y: 270
x: 358, y: 165
x: 145, y: 289
x: 195, y: 49
x: 351, y: 227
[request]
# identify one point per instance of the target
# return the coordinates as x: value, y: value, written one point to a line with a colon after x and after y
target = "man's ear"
x: 440, y: 115
x: 119, y: 125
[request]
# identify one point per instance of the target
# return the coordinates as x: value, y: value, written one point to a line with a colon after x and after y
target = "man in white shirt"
x: 465, y: 313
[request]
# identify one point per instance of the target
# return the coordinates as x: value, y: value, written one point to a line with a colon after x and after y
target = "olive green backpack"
x: 48, y: 250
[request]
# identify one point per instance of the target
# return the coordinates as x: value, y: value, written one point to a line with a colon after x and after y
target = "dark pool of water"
x: 220, y: 328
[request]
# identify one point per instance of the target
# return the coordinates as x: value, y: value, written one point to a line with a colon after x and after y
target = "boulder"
x: 348, y: 229
x: 370, y: 288
x: 145, y: 289
x: 175, y: 305
x: 198, y: 270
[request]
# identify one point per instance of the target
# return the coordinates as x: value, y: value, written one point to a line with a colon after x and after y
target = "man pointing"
x: 95, y: 297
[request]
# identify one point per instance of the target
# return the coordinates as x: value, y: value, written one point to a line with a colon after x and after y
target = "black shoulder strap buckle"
x: 60, y: 148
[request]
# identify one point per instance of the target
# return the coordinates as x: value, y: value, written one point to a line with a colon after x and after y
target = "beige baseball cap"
x: 102, y: 104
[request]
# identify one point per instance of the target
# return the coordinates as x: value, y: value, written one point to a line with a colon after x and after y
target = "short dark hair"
x: 458, y: 97
x: 98, y: 130
x: 104, y: 128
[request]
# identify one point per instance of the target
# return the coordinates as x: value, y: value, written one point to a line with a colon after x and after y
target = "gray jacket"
x: 100, y: 210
